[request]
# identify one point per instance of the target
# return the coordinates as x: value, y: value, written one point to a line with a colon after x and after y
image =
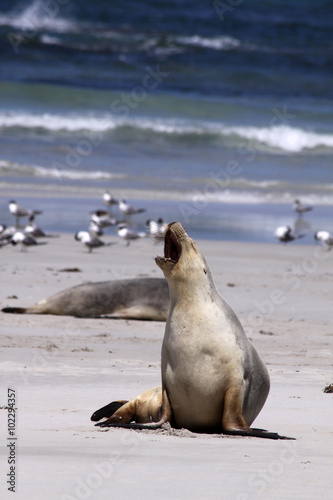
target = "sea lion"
x: 213, y: 379
x: 139, y: 298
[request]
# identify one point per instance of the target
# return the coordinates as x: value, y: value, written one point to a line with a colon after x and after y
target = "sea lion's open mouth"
x: 173, y: 237
x: 172, y: 247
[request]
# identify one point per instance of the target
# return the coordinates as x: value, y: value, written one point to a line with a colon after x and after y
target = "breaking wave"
x: 55, y: 172
x: 279, y: 138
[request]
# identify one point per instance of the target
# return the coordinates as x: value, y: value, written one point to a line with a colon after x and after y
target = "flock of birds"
x: 99, y: 220
x: 285, y: 234
x: 102, y: 219
x: 14, y: 235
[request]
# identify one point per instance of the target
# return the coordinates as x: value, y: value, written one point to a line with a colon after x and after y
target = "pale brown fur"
x: 212, y: 377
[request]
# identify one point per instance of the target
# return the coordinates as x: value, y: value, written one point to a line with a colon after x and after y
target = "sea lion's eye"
x: 204, y: 270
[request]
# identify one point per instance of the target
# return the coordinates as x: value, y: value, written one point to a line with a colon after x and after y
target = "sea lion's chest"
x: 200, y: 344
x: 200, y: 359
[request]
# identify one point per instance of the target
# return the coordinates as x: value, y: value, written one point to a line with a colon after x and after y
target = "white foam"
x: 238, y: 191
x: 76, y: 122
x: 54, y: 172
x: 229, y: 196
x: 277, y: 138
x: 283, y: 137
x: 216, y: 43
x: 47, y: 121
x: 168, y: 127
x: 241, y: 197
x: 50, y: 40
x: 72, y: 174
x: 38, y: 15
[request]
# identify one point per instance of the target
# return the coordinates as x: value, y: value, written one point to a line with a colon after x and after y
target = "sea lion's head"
x: 182, y: 260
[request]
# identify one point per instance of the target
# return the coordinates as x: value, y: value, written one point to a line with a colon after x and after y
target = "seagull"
x: 286, y: 234
x: 90, y: 240
x: 102, y: 219
x: 128, y: 234
x: 17, y: 211
x: 95, y: 228
x: 325, y: 238
x: 300, y: 209
x: 156, y: 228
x: 109, y: 200
x: 127, y: 209
x: 32, y: 229
x: 25, y: 240
x: 6, y: 233
x: 3, y: 243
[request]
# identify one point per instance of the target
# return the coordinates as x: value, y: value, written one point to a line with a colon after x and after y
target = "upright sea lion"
x: 139, y: 298
x: 212, y: 377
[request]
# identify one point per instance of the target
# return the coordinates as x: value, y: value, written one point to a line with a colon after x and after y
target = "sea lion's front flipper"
x: 260, y: 433
x: 233, y: 422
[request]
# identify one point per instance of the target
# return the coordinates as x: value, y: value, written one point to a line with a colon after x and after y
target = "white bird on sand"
x: 6, y: 233
x: 156, y: 228
x: 325, y: 238
x: 127, y: 209
x: 300, y: 209
x: 23, y: 239
x: 95, y: 228
x: 4, y: 239
x: 129, y: 234
x: 103, y: 219
x: 90, y: 240
x: 109, y: 200
x: 286, y: 234
x: 32, y: 229
x: 17, y: 211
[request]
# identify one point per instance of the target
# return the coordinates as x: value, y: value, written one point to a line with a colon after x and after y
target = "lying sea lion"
x: 213, y: 379
x: 139, y: 298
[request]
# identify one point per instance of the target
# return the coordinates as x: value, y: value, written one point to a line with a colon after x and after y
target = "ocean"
x: 217, y: 114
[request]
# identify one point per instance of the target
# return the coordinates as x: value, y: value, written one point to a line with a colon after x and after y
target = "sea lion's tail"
x: 15, y: 310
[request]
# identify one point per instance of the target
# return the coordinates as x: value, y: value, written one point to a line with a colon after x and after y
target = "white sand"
x: 64, y: 368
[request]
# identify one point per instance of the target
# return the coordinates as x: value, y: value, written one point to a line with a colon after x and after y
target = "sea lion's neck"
x: 184, y: 292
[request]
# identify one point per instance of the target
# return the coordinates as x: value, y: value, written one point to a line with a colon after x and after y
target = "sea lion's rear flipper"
x: 15, y: 310
x: 149, y: 410
x: 233, y: 422
x: 124, y: 414
x: 107, y: 411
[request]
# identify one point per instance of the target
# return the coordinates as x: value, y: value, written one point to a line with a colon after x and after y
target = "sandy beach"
x: 64, y: 368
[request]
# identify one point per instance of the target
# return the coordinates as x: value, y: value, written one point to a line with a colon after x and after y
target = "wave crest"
x: 37, y: 16
x: 284, y: 137
x: 279, y: 138
x: 55, y: 172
